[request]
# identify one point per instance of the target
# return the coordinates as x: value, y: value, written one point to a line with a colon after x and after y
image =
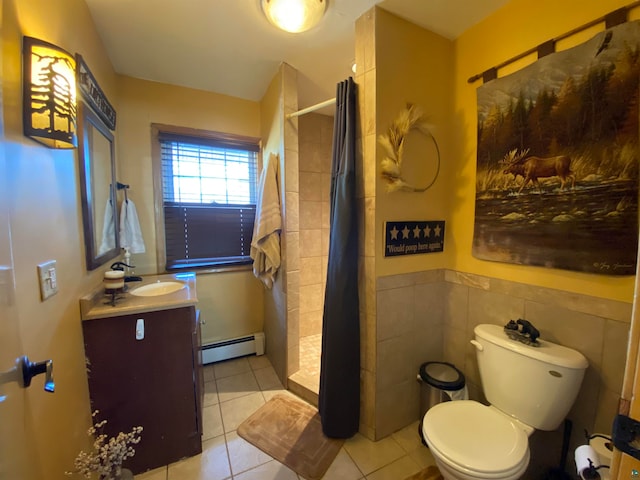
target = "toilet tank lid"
x: 548, y: 352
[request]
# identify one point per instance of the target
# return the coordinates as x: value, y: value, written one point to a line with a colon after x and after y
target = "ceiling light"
x: 294, y: 16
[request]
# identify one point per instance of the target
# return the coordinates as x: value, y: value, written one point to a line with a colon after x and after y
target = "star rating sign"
x: 394, y: 233
x: 427, y: 231
x: 416, y: 232
x: 405, y: 232
x: 437, y: 230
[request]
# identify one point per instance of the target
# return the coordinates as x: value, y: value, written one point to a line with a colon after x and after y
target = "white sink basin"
x: 158, y: 288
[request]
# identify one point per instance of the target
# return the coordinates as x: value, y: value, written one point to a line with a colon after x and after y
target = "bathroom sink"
x: 158, y: 288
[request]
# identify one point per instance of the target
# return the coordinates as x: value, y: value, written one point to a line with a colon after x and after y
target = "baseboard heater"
x: 233, y: 347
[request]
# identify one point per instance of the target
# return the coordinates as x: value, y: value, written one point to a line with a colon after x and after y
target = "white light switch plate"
x: 48, y: 279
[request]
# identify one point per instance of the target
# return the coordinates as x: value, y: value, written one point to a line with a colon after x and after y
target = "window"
x: 208, y: 184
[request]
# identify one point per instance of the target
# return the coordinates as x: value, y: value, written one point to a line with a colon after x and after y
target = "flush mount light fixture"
x: 49, y: 94
x: 294, y: 16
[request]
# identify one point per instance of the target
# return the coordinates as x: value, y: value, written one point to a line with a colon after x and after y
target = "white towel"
x: 130, y: 232
x: 108, y: 230
x: 265, y: 244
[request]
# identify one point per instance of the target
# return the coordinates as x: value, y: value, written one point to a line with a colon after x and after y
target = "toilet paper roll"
x: 599, y: 444
x: 583, y: 454
x: 462, y: 394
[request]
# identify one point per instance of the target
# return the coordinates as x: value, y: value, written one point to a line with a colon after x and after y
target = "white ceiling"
x: 228, y: 47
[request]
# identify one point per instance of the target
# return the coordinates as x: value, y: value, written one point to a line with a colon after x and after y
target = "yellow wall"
x: 230, y: 302
x: 46, y: 224
x: 414, y: 65
x: 517, y: 27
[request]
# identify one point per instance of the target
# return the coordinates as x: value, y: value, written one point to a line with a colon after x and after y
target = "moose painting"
x: 558, y: 159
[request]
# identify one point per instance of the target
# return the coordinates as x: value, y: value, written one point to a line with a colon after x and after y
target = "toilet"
x: 528, y: 387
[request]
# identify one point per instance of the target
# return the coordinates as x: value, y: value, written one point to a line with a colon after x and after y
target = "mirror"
x: 98, y: 188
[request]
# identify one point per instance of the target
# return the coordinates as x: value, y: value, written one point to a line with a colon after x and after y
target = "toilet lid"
x: 475, y: 437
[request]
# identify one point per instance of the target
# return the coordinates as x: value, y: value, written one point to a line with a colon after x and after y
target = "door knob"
x: 31, y: 369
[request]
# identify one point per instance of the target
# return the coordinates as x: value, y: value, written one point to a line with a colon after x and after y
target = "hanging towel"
x: 130, y: 232
x: 265, y: 245
x: 108, y: 230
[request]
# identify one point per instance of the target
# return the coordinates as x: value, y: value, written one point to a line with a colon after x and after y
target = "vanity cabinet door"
x: 152, y: 382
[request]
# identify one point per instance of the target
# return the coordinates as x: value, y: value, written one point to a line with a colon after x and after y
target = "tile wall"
x: 431, y: 316
x: 315, y: 135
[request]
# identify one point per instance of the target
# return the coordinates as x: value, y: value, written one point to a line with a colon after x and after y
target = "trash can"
x: 436, y: 379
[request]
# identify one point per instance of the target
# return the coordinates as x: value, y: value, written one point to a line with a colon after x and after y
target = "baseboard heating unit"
x: 233, y: 347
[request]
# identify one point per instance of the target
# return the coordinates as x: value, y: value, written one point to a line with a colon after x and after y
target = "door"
x: 14, y: 440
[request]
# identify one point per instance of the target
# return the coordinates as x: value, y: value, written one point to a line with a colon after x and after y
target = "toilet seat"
x: 476, y: 440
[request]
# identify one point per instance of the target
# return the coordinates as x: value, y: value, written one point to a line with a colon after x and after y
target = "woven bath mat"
x: 290, y: 431
x: 429, y: 473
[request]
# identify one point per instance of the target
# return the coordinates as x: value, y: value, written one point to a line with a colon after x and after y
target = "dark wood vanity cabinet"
x: 155, y: 382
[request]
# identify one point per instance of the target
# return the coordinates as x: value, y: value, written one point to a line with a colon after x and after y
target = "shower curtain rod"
x: 611, y: 20
x: 312, y: 108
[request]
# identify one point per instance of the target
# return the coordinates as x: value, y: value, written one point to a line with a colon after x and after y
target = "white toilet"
x: 528, y: 388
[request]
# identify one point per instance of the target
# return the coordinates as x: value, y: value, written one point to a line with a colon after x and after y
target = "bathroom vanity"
x: 144, y: 367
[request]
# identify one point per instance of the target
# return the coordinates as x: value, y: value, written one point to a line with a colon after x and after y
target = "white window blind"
x: 209, y: 200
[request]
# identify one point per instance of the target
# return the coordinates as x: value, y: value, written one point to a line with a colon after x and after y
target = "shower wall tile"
x: 290, y: 87
x: 311, y: 243
x: 290, y: 136
x: 366, y: 284
x: 367, y: 404
x: 310, y: 212
x: 311, y: 298
x: 293, y: 290
x: 370, y: 226
x: 293, y: 328
x: 325, y: 241
x: 292, y: 212
x: 291, y: 252
x: 325, y: 187
x: 368, y: 45
x: 326, y: 142
x: 369, y: 121
x: 291, y: 181
x: 325, y: 215
x: 311, y: 159
x: 310, y: 186
x: 368, y: 346
x: 311, y: 323
x: 310, y: 270
x: 369, y: 166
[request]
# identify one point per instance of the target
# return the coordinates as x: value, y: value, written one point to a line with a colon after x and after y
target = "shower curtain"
x: 339, y: 395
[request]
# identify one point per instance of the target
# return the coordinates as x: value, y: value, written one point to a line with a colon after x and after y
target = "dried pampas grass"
x: 410, y: 119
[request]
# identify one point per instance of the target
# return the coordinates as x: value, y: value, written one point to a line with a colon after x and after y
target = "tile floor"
x: 234, y: 389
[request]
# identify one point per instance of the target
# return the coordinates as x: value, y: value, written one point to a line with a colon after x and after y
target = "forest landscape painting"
x: 557, y: 162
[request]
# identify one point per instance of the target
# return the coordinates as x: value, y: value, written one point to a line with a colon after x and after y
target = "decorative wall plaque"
x: 93, y: 94
x: 412, y: 237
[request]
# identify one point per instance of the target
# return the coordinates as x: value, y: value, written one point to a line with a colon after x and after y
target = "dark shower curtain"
x: 339, y: 395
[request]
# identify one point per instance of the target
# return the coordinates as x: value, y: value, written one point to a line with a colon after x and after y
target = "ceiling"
x: 228, y: 46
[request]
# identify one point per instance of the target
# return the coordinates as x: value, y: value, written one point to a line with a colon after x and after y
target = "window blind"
x: 209, y: 200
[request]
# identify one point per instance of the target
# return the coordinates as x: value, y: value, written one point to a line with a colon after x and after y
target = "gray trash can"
x: 436, y: 379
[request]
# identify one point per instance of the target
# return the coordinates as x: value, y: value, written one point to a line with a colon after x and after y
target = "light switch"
x: 48, y: 279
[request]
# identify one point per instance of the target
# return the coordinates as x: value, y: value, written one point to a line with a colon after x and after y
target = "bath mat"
x: 429, y: 473
x: 290, y: 431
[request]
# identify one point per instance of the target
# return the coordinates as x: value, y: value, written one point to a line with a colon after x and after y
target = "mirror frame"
x: 88, y: 117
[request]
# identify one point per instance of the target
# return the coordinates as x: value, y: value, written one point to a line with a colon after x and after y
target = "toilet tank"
x: 536, y: 385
